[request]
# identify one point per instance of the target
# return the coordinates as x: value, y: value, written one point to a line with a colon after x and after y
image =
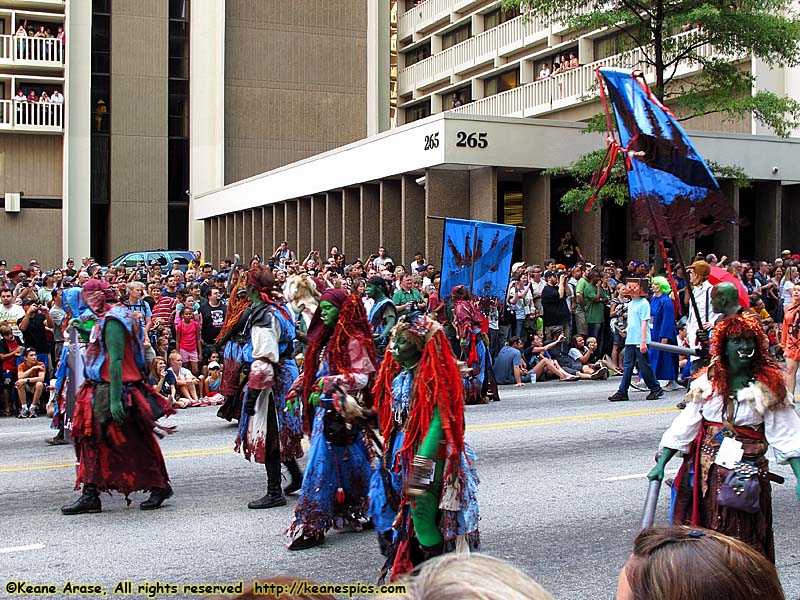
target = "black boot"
x: 89, y: 502
x: 297, y: 476
x: 305, y: 542
x: 274, y: 495
x: 157, y: 497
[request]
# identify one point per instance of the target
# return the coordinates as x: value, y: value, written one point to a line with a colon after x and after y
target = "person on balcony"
x: 544, y: 72
x: 40, y: 48
x: 57, y: 97
x: 22, y: 44
x: 573, y: 61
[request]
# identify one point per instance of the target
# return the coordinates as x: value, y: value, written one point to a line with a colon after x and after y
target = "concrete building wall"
x: 31, y: 164
x: 31, y: 233
x: 139, y: 69
x: 295, y: 81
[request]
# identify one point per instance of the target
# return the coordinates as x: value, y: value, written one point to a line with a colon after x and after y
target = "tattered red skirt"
x: 124, y: 457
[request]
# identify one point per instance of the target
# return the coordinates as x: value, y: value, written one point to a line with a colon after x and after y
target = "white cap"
x: 213, y: 365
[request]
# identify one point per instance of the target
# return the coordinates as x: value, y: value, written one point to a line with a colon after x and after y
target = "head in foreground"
x: 469, y: 577
x: 684, y: 563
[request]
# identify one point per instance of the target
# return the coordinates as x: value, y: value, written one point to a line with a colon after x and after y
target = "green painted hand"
x: 117, y: 410
x: 657, y: 472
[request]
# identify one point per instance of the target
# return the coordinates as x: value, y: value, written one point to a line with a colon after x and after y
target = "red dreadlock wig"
x: 765, y: 368
x: 351, y: 324
x: 236, y: 306
x: 437, y: 384
x: 262, y: 281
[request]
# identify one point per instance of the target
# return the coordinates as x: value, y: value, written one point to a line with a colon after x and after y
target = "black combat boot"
x: 157, y: 497
x: 274, y: 495
x: 89, y: 502
x: 297, y: 476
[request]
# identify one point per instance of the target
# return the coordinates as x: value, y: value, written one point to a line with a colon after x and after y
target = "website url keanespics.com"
x: 345, y: 589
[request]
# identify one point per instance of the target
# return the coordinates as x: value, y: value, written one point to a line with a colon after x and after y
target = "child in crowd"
x: 185, y: 383
x: 211, y: 385
x: 187, y: 338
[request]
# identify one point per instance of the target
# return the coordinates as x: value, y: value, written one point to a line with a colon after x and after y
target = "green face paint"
x: 740, y: 351
x: 405, y: 351
x: 373, y: 291
x: 328, y: 313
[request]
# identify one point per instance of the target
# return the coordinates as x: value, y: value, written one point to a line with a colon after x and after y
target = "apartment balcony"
x: 569, y: 89
x: 34, y: 4
x: 427, y: 14
x: 484, y: 48
x: 24, y: 117
x: 31, y: 53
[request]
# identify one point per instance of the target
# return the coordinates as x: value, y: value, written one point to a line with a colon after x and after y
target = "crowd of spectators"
x: 558, y: 321
x: 51, y: 47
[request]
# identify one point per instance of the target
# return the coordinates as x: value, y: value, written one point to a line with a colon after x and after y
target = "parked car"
x: 162, y: 257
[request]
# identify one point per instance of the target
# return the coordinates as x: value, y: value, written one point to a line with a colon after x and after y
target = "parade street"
x: 561, y: 494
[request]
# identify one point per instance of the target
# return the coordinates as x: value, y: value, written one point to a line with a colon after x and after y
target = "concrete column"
x: 230, y: 235
x: 304, y: 225
x: 208, y: 233
x: 768, y: 220
x: 390, y: 215
x: 267, y: 231
x: 446, y: 195
x: 279, y: 212
x: 240, y: 239
x: 76, y: 231
x: 370, y: 210
x: 257, y: 216
x: 412, y: 218
x: 483, y: 194
x: 377, y: 67
x: 318, y: 220
x: 636, y: 249
x: 351, y: 223
x: 206, y: 104
x: 587, y: 228
x: 536, y: 217
x: 333, y: 223
x: 727, y: 241
x: 290, y: 226
x: 527, y: 72
x: 247, y: 250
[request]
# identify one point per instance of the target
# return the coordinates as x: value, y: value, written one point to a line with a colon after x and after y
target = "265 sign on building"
x: 464, y: 139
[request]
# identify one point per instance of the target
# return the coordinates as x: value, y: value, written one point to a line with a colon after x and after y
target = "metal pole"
x: 650, y: 503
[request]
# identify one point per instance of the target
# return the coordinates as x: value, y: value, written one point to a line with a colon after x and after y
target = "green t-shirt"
x: 401, y: 297
x: 594, y: 310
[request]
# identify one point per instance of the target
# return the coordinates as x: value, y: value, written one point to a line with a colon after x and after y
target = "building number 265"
x: 432, y: 141
x: 471, y: 140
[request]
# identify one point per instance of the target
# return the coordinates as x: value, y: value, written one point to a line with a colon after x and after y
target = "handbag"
x: 741, y: 489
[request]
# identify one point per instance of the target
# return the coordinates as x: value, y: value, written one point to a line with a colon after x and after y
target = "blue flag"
x: 673, y: 193
x: 477, y: 255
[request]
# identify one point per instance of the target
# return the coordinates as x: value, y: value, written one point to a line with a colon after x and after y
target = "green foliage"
x: 673, y: 34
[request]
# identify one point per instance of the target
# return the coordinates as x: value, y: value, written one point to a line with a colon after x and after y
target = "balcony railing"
x: 30, y: 51
x: 504, y: 39
x: 33, y: 117
x: 423, y: 15
x: 571, y: 88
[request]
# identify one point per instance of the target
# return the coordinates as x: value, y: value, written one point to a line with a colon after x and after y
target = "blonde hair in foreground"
x: 469, y: 577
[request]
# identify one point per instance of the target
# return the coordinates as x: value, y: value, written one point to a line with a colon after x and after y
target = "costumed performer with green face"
x: 339, y: 363
x: 116, y: 412
x: 423, y: 497
x: 736, y: 408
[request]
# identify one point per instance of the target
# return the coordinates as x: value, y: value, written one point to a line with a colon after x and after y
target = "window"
x: 418, y: 54
x: 502, y: 82
x: 498, y: 16
x: 159, y: 257
x: 458, y: 97
x: 456, y: 36
x: 418, y: 111
x: 132, y: 259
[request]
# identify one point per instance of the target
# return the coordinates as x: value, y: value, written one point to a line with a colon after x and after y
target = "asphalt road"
x: 562, y: 489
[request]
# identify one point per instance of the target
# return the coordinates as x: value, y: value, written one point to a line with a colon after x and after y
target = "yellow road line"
x: 219, y: 450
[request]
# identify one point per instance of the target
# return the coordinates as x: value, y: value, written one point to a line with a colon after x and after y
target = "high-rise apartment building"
x: 162, y: 99
x: 482, y: 104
